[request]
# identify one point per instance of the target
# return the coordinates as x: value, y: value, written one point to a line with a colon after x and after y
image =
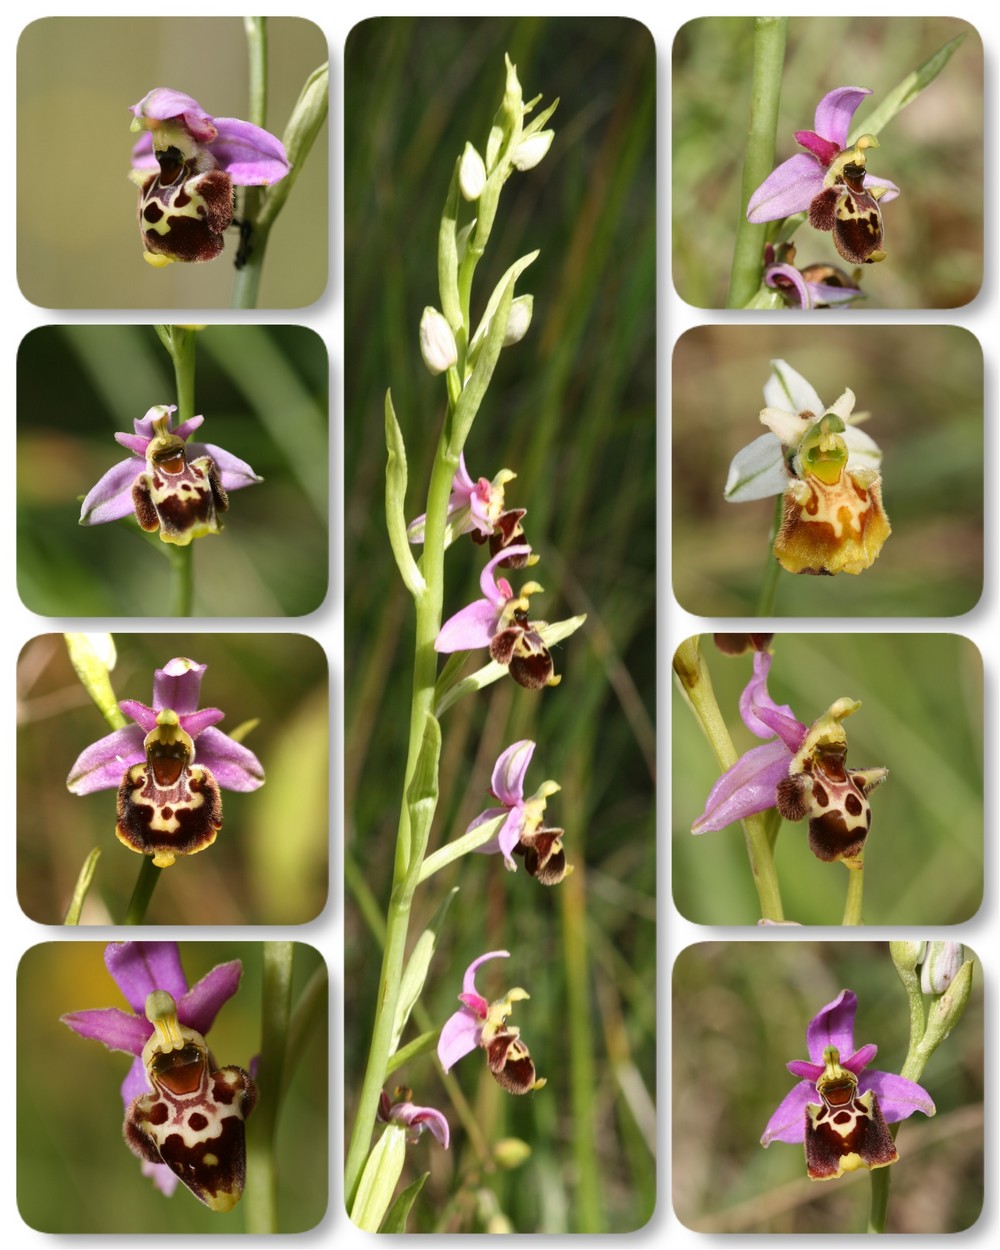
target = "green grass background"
x: 74, y: 1172
x: 932, y: 150
x: 740, y: 1012
x: 269, y: 864
x: 921, y: 717
x: 922, y: 385
x: 571, y: 410
x: 263, y: 393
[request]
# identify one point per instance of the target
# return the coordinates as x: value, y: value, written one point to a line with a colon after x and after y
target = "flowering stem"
x: 765, y: 93
x: 256, y: 32
x: 410, y: 842
x: 855, y: 893
x: 772, y: 570
x: 144, y: 886
x: 276, y: 999
x: 692, y: 672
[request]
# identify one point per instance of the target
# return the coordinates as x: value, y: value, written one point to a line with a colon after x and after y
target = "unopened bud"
x: 519, y: 319
x: 471, y: 173
x: 437, y: 343
x: 906, y: 955
x: 511, y: 1152
x: 940, y: 966
x: 531, y: 150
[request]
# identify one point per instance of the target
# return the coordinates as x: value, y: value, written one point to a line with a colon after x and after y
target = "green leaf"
x: 451, y: 305
x: 512, y: 274
x: 412, y: 984
x: 907, y: 91
x: 82, y: 886
x: 425, y: 1044
x: 378, y: 1180
x: 422, y: 792
x: 474, y: 390
x: 395, y: 1220
x: 395, y: 501
x: 93, y: 658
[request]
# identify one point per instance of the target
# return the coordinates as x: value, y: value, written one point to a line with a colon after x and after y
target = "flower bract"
x: 480, y: 1023
x: 833, y: 519
x: 846, y: 1129
x: 523, y: 832
x: 168, y: 805
x: 802, y: 772
x: 170, y: 484
x: 183, y: 1116
x: 186, y: 165
x: 830, y: 182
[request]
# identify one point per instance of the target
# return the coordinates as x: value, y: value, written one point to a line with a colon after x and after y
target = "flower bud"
x: 437, y: 343
x: 519, y: 319
x: 531, y: 150
x: 906, y: 955
x: 940, y: 966
x: 511, y: 1152
x: 471, y: 173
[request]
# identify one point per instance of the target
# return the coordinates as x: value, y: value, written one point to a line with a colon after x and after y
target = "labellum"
x: 846, y: 1131
x: 850, y: 209
x: 193, y: 1120
x: 184, y: 213
x: 834, y: 797
x: 179, y: 499
x: 523, y: 650
x: 168, y: 806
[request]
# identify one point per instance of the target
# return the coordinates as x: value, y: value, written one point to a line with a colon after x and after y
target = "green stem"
x: 855, y: 894
x: 879, y: 1200
x: 182, y: 567
x: 145, y: 884
x: 765, y: 94
x: 772, y: 570
x: 276, y: 998
x: 693, y: 674
x: 406, y: 872
x: 256, y: 33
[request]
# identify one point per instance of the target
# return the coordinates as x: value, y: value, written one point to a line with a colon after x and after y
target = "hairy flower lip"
x: 833, y: 1025
x: 793, y: 185
x: 110, y: 499
x: 138, y: 968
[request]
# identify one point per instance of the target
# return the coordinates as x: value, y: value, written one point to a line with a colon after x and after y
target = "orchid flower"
x: 474, y: 507
x: 500, y: 621
x: 482, y: 1023
x: 170, y: 484
x: 413, y: 1119
x: 815, y: 286
x: 833, y: 519
x: 194, y: 1111
x: 802, y: 773
x: 167, y: 804
x: 831, y: 182
x: 186, y: 205
x: 847, y: 1129
x: 520, y: 834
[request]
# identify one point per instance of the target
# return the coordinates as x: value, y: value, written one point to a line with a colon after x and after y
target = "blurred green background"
x: 74, y: 1172
x: 270, y: 862
x: 740, y: 1012
x: 922, y: 718
x: 572, y: 411
x: 263, y: 393
x: 923, y: 386
x: 78, y: 243
x: 933, y: 150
